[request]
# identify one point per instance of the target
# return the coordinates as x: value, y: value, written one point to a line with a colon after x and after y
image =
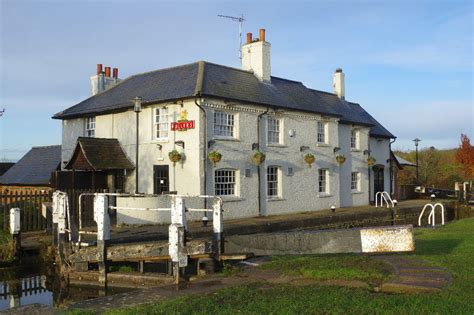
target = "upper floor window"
x: 224, y: 124
x: 354, y: 139
x: 224, y: 182
x: 161, y: 123
x: 323, y: 182
x: 321, y: 136
x: 274, y: 132
x: 273, y: 182
x: 355, y: 182
x: 90, y: 127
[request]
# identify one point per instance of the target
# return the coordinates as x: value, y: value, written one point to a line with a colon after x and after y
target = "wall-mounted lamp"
x: 137, y: 101
x: 336, y: 149
x: 179, y: 143
x: 159, y: 146
x: 210, y: 143
x: 303, y: 148
x: 255, y: 146
x: 366, y: 152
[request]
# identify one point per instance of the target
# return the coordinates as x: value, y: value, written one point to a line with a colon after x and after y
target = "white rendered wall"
x: 72, y: 129
x: 380, y: 150
x: 356, y: 161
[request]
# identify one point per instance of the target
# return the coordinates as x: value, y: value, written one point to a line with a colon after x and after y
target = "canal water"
x: 32, y: 284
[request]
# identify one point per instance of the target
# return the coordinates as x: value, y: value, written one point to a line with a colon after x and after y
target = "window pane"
x: 321, y: 137
x: 322, y: 181
x: 161, y: 123
x: 223, y: 124
x: 272, y: 181
x: 273, y: 130
x: 224, y: 182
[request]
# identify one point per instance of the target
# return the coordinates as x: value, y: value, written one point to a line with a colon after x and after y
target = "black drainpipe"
x: 258, y: 167
x: 198, y: 95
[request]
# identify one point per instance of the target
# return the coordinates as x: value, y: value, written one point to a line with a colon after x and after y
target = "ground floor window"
x: 355, y: 181
x: 323, y: 186
x: 224, y: 180
x: 273, y: 182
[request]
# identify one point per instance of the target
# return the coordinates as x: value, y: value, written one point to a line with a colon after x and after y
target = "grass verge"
x: 451, y: 247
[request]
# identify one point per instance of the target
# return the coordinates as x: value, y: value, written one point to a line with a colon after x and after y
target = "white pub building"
x: 266, y: 145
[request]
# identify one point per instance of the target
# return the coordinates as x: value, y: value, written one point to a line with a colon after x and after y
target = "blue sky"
x: 409, y: 63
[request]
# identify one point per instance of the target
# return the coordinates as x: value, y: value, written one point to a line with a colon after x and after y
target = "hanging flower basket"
x: 340, y: 159
x: 215, y: 157
x: 371, y: 160
x: 309, y: 159
x: 174, y: 156
x: 258, y: 157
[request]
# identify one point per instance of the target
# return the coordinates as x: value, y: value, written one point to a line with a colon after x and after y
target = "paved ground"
x: 413, y: 276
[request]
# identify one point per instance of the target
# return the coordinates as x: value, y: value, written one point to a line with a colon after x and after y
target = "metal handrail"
x: 383, y: 196
x: 432, y: 215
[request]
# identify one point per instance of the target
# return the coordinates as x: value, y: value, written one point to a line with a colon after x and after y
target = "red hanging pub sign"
x: 183, y: 123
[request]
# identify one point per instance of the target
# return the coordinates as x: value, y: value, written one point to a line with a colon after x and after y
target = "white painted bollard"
x: 101, y: 217
x: 15, y: 220
x: 178, y: 211
x: 15, y: 229
x: 217, y: 224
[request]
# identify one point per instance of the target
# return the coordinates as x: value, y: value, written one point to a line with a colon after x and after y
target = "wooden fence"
x: 30, y: 204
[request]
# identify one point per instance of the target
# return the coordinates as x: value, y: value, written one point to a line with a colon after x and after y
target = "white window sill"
x: 231, y: 198
x: 355, y: 192
x: 321, y: 144
x: 276, y: 145
x: 275, y: 199
x: 161, y: 140
x: 355, y: 150
x: 226, y: 139
x: 324, y: 195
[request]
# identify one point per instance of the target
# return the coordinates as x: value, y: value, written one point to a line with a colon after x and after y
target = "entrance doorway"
x: 161, y: 183
x: 378, y: 179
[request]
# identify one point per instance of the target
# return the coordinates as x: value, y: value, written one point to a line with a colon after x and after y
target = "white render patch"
x: 387, y: 239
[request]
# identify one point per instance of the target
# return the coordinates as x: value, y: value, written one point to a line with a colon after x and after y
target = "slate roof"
x: 4, y: 166
x: 208, y: 79
x: 101, y: 154
x: 34, y: 168
x: 403, y: 162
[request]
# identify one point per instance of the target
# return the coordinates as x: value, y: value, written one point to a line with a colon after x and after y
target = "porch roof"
x: 99, y: 154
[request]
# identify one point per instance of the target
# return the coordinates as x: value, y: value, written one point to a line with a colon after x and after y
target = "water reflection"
x: 19, y: 288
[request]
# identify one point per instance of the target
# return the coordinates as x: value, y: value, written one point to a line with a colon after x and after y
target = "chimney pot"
x: 107, y: 71
x: 249, y: 38
x: 115, y: 73
x: 262, y: 34
x: 338, y: 70
x: 99, y: 68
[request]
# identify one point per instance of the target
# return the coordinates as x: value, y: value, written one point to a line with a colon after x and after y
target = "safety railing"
x: 384, y: 196
x: 432, y: 214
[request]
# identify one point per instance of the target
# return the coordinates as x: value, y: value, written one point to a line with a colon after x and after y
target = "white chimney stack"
x: 103, y: 80
x: 338, y: 84
x: 256, y: 57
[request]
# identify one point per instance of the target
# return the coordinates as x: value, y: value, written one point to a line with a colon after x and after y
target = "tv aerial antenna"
x: 241, y: 20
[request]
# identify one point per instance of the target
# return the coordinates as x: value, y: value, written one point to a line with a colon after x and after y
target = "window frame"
x: 90, y: 127
x: 233, y: 175
x: 355, y: 139
x: 324, y: 132
x: 157, y: 123
x: 278, y: 122
x: 325, y: 181
x: 356, y: 181
x: 225, y: 119
x: 276, y: 182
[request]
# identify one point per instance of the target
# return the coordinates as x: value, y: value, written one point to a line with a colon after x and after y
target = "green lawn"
x: 451, y: 247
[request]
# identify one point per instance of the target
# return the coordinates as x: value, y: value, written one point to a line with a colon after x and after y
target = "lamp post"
x: 137, y: 108
x: 416, y: 140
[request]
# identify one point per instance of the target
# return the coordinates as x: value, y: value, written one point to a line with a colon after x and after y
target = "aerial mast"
x: 241, y: 20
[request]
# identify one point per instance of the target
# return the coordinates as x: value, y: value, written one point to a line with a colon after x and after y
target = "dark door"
x: 378, y: 180
x: 161, y: 181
